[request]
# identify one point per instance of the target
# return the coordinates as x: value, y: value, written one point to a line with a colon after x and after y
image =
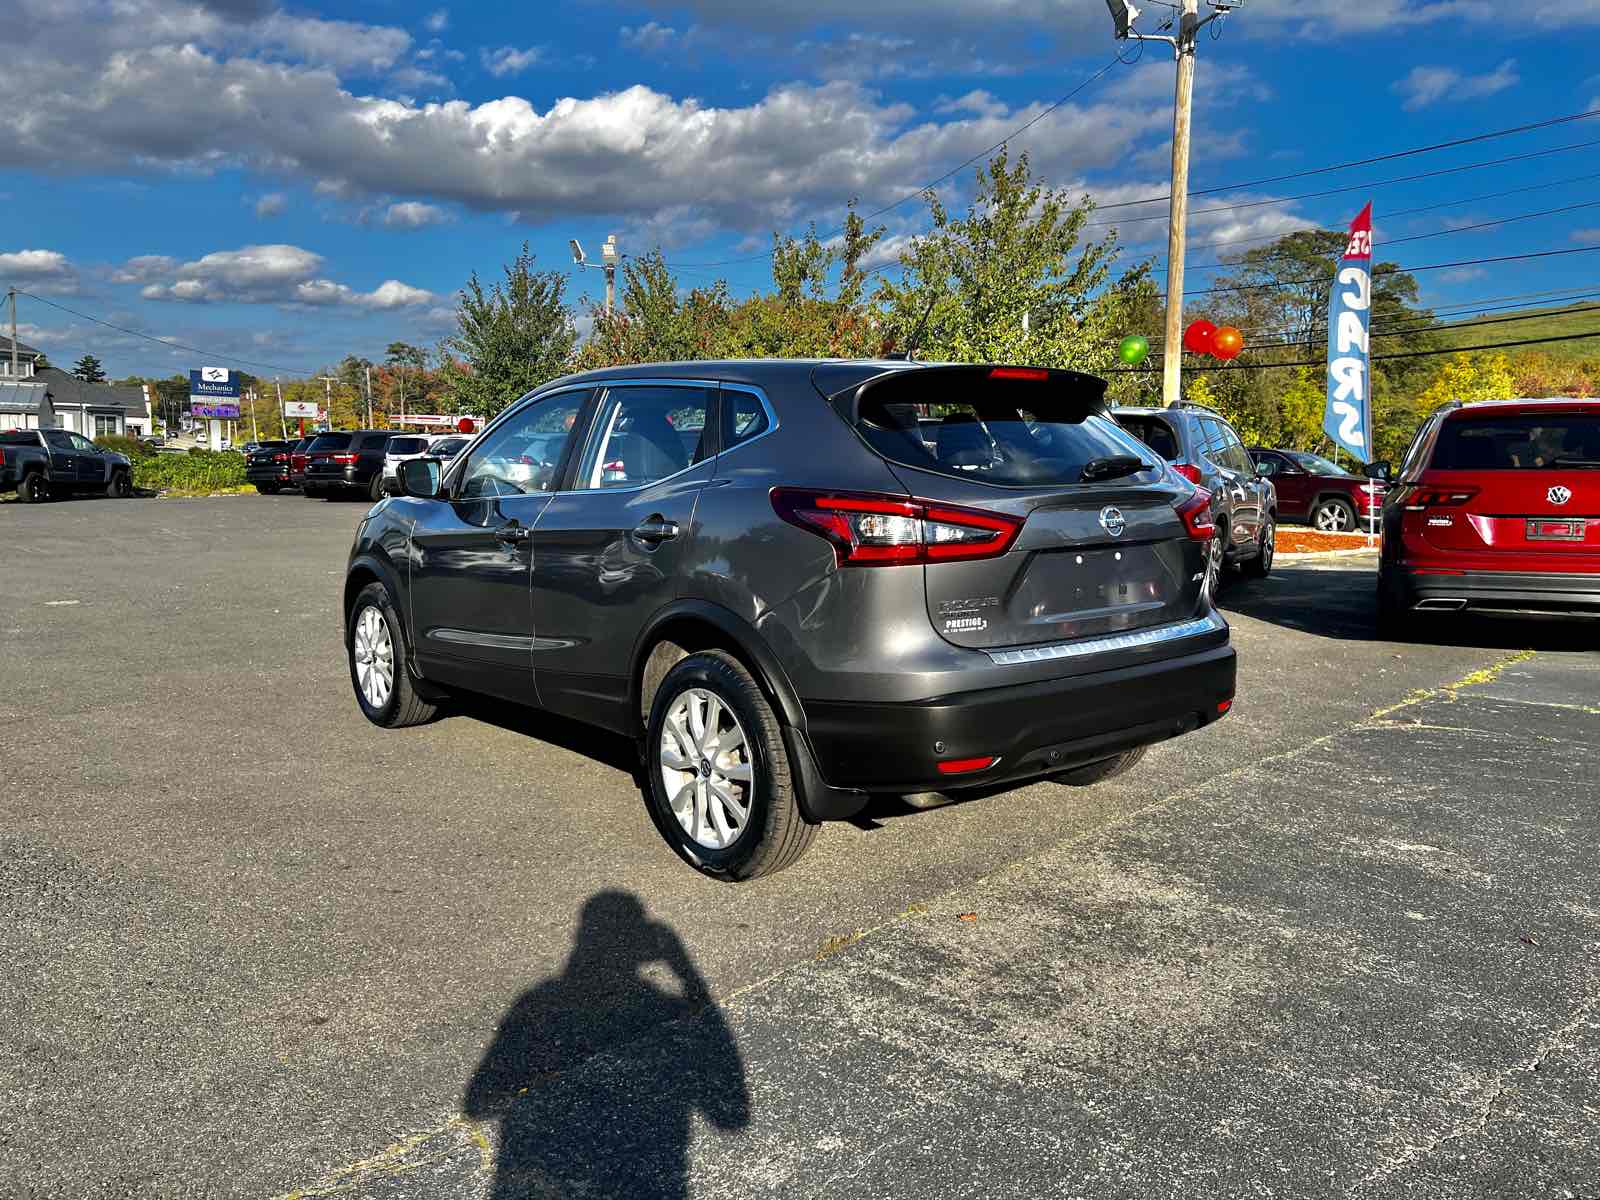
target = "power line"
x: 171, y: 345
x: 1442, y: 327
x: 1399, y: 270
x: 1318, y: 362
x: 1367, y: 162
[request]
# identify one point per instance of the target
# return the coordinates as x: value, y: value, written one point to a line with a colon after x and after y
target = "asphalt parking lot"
x: 1343, y: 942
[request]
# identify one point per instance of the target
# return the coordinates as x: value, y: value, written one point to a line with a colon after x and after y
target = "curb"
x: 1309, y: 555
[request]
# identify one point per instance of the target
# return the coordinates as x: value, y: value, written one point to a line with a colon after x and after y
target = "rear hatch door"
x: 1102, y: 549
x: 1518, y: 486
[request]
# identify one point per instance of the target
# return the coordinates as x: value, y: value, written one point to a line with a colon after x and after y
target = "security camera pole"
x: 610, y: 257
x: 1123, y: 15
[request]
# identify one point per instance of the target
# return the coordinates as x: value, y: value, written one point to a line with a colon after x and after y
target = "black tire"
x: 120, y: 485
x: 32, y: 489
x: 375, y: 490
x: 1339, y: 512
x: 1260, y: 566
x: 311, y: 493
x: 403, y: 706
x: 1216, y: 563
x: 1396, y: 620
x: 267, y: 489
x: 1099, y: 772
x: 775, y: 834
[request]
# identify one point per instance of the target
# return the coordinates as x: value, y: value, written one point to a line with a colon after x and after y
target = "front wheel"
x: 32, y: 489
x: 376, y: 647
x: 375, y: 490
x: 1099, y: 772
x: 720, y: 788
x: 1334, y: 516
x: 120, y: 485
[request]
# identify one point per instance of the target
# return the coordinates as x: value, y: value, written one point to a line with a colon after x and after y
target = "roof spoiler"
x: 1089, y: 390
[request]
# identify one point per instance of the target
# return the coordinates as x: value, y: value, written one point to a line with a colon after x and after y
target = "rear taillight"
x: 1195, y: 512
x: 1432, y: 497
x: 2, y: 458
x: 280, y: 458
x: 870, y: 530
x: 1189, y: 471
x: 344, y: 460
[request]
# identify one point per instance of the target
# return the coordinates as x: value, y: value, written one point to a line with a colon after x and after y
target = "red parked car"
x: 1311, y: 489
x: 1496, y: 508
x: 299, y: 456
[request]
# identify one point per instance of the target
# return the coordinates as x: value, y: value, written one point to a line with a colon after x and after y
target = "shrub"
x: 197, y: 471
x: 132, y: 447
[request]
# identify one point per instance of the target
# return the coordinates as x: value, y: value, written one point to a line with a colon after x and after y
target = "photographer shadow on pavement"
x: 595, y: 1075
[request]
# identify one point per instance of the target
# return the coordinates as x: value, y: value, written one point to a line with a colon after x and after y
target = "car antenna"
x: 910, y: 354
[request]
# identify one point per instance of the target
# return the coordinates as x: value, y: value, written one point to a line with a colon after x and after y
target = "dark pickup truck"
x: 40, y: 463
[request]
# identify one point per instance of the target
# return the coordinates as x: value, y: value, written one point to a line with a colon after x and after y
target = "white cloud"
x: 411, y: 214
x: 649, y: 38
x: 437, y: 21
x: 1588, y: 236
x: 38, y: 268
x: 271, y: 205
x: 508, y: 60
x: 269, y: 274
x: 344, y: 45
x: 1429, y: 85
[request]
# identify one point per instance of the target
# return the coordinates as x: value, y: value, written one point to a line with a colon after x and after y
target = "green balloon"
x: 1134, y: 350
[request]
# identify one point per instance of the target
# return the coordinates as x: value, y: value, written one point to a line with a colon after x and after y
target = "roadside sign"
x: 300, y: 408
x: 214, y: 393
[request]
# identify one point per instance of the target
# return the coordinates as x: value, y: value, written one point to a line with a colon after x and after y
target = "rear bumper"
x: 338, y: 480
x: 267, y: 475
x: 1504, y: 591
x: 1034, y: 728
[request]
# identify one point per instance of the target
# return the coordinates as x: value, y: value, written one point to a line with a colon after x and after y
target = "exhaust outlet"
x: 1447, y: 604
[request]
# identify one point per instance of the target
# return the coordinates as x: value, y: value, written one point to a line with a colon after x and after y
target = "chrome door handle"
x: 656, y: 530
x: 512, y: 534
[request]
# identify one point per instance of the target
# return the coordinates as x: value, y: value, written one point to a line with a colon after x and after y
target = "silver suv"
x: 799, y: 584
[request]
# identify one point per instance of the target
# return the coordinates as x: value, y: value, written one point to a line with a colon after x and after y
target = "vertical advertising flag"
x: 1348, y: 417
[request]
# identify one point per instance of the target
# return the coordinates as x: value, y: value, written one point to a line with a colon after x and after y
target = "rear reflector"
x: 1036, y: 374
x: 872, y: 530
x: 966, y: 766
x: 1223, y: 706
x: 1434, y: 571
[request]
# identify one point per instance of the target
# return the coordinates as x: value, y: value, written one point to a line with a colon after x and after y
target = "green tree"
x: 403, y: 358
x: 653, y: 322
x: 1011, y: 280
x: 89, y: 370
x: 509, y: 338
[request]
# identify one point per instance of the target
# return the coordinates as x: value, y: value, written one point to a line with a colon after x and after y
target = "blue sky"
x: 290, y: 184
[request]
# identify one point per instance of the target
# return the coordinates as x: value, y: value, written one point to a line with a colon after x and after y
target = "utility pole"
x: 610, y: 256
x: 255, y: 433
x: 1123, y: 15
x: 369, y: 395
x: 283, y: 421
x: 12, y: 295
x: 327, y: 391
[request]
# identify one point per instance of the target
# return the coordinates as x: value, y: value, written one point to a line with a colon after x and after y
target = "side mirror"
x: 1380, y: 470
x: 1265, y: 470
x: 420, y: 477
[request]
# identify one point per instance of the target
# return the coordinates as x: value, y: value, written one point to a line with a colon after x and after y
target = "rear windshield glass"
x: 1518, y: 443
x: 19, y: 438
x: 407, y: 445
x: 992, y: 431
x: 1155, y: 433
x: 447, y: 447
x: 331, y: 441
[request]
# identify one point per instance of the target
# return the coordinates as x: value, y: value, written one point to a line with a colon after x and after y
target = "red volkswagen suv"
x: 1496, y: 508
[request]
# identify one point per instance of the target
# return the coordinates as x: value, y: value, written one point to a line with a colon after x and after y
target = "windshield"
x: 1533, y: 442
x: 331, y: 441
x: 1317, y: 465
x: 992, y: 431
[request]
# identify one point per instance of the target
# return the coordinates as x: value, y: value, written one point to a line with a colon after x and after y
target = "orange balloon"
x: 1227, y: 343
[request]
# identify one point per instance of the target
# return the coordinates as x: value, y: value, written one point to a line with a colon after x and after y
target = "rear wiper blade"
x: 1097, y: 470
x: 1587, y: 463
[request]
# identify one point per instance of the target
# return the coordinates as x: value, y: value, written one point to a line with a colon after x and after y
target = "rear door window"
x: 992, y: 431
x: 1532, y: 442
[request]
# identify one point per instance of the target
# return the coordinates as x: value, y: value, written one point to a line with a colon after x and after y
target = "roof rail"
x: 1200, y: 407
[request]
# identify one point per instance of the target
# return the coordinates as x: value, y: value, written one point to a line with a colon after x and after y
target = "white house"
x: 44, y: 397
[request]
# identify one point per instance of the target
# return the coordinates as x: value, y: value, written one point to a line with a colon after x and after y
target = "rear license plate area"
x: 1541, y: 530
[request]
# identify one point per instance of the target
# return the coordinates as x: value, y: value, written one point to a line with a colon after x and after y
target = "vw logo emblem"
x: 1111, y: 521
x: 1557, y: 494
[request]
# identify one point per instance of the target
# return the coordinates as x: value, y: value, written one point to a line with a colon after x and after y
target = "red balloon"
x: 464, y: 425
x: 1198, y: 338
x: 1227, y: 343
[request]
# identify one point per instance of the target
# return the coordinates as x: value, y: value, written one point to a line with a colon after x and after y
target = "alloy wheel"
x: 706, y: 768
x: 372, y: 649
x: 1333, y: 518
x: 1269, y: 544
x: 1212, y: 580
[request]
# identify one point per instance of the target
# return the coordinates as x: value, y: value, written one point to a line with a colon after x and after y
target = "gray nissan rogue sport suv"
x: 799, y: 584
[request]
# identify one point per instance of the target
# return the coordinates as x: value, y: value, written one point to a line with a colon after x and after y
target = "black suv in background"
x: 347, y: 461
x: 267, y: 466
x: 797, y: 584
x: 1205, y: 450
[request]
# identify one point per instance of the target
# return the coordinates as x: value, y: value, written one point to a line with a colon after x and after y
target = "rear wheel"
x: 1216, y: 554
x: 1396, y: 620
x: 1099, y: 772
x: 267, y: 489
x: 375, y: 642
x: 1333, y: 515
x: 311, y: 493
x: 32, y: 489
x: 720, y: 788
x: 1260, y: 566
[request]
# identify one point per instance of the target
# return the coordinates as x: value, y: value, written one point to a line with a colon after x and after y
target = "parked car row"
x: 358, y: 462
